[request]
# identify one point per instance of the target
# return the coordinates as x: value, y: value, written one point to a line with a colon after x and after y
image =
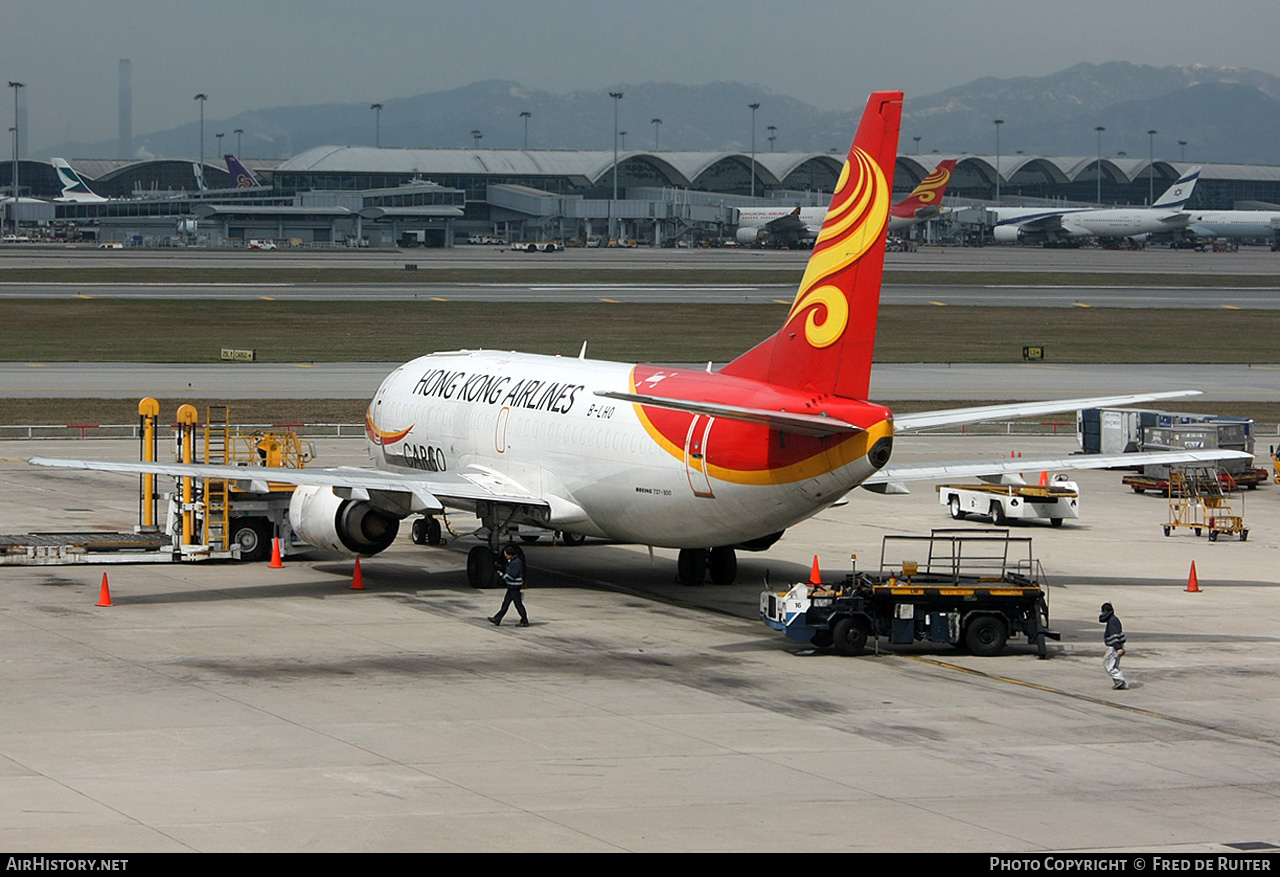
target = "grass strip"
x: 119, y: 330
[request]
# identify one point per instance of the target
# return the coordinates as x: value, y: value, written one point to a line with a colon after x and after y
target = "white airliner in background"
x: 1262, y: 224
x: 705, y: 462
x: 804, y: 223
x: 1038, y: 224
x: 74, y: 189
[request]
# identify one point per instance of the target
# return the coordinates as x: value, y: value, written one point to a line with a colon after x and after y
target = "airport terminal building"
x: 366, y: 196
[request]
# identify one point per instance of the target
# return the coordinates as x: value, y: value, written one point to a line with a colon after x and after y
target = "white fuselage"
x: 1100, y: 222
x: 1235, y: 224
x: 536, y: 422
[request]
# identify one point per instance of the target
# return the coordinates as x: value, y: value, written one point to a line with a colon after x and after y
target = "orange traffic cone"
x: 1193, y: 584
x: 275, y: 554
x: 1044, y: 478
x: 104, y: 594
x: 815, y: 575
x: 357, y: 578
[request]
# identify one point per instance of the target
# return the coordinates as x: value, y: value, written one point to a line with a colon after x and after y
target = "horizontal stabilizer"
x: 784, y: 421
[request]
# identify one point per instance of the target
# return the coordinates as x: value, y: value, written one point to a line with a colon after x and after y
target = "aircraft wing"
x: 955, y: 416
x: 428, y: 492
x: 801, y: 424
x: 1051, y: 222
x: 788, y: 224
x: 892, y: 478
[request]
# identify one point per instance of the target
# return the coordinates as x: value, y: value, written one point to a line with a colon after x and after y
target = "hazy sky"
x: 248, y: 55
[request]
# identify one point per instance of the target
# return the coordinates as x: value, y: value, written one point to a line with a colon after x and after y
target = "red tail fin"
x: 827, y: 342
x: 930, y: 191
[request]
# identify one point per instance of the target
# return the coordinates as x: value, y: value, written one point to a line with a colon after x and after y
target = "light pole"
x: 1182, y: 145
x: 15, y: 86
x: 657, y: 125
x: 219, y: 137
x: 773, y: 135
x: 617, y: 96
x: 1100, y: 129
x: 525, y: 115
x: 917, y: 140
x: 202, y: 97
x: 623, y: 137
x: 998, y: 122
x: 238, y: 132
x: 1151, y: 166
x: 377, y: 125
x: 754, y: 107
x: 475, y: 138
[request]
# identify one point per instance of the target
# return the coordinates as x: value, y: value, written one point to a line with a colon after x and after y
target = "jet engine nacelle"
x: 1008, y: 234
x: 348, y: 526
x: 749, y: 235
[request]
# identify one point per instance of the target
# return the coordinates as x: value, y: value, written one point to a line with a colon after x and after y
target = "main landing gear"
x: 426, y: 531
x: 694, y: 564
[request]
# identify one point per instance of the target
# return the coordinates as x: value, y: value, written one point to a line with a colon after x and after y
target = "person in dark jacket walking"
x: 513, y: 578
x: 1113, y: 636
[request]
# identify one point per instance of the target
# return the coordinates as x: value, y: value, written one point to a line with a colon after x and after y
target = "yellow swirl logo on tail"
x: 854, y: 222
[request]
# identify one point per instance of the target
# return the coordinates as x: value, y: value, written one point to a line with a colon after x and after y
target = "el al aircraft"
x: 701, y: 461
x: 924, y: 202
x: 1041, y: 225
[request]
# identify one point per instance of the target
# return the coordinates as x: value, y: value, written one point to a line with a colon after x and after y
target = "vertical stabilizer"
x: 1179, y: 193
x: 927, y: 195
x: 241, y: 176
x: 827, y: 341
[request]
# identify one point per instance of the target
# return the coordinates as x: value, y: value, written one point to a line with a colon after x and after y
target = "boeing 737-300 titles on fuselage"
x: 701, y: 461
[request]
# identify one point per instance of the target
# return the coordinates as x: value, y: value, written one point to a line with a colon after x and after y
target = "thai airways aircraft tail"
x: 1176, y: 196
x: 925, y: 199
x: 73, y: 188
x: 241, y: 176
x: 826, y: 344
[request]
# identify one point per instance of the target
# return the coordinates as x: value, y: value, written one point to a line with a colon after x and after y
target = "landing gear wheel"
x: 954, y: 505
x: 997, y: 514
x: 426, y: 531
x: 849, y: 636
x: 691, y: 566
x: 723, y: 565
x: 572, y: 538
x: 986, y: 636
x: 481, y: 568
x: 253, y: 535
x: 1055, y: 522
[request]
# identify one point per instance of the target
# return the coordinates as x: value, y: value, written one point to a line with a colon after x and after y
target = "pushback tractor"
x: 972, y: 589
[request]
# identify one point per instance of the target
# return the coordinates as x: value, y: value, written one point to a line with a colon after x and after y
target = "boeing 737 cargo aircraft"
x: 707, y: 462
x: 1041, y: 225
x: 804, y: 223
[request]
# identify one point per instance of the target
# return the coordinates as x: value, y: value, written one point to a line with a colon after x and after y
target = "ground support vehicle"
x: 1199, y: 502
x: 1275, y: 463
x: 972, y: 589
x: 1012, y: 502
x: 1249, y: 479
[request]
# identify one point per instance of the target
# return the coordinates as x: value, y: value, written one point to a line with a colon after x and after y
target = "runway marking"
x: 1062, y: 368
x: 267, y: 297
x: 82, y: 295
x: 941, y: 304
x: 1152, y: 714
x: 438, y: 298
x: 35, y: 365
x: 781, y: 301
x: 303, y: 365
x: 1080, y: 304
x: 612, y: 301
x: 1232, y: 307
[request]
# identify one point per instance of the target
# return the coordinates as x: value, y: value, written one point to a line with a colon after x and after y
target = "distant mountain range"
x: 1225, y: 115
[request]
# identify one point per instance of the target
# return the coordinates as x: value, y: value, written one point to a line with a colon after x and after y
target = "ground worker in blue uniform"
x: 513, y: 578
x: 1113, y: 636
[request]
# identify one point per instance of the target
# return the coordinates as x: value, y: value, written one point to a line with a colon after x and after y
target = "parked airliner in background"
x: 707, y: 462
x: 241, y: 176
x: 1047, y: 225
x: 1261, y: 224
x: 804, y: 223
x: 74, y: 189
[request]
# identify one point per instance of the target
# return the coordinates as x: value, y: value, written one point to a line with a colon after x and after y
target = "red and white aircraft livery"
x: 706, y: 462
